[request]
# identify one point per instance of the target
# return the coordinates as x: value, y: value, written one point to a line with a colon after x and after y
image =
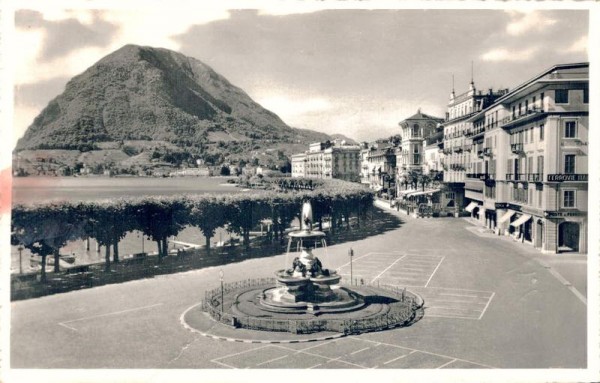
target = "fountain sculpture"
x: 307, y: 286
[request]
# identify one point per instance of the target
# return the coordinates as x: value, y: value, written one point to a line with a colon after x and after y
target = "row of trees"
x: 45, y: 229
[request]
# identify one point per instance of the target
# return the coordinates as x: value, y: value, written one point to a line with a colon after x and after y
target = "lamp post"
x: 20, y: 248
x: 351, y: 255
x: 221, y: 277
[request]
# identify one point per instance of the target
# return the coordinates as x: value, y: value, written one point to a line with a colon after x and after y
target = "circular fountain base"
x: 337, y: 300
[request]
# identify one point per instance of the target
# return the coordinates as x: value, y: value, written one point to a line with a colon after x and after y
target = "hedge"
x: 45, y: 228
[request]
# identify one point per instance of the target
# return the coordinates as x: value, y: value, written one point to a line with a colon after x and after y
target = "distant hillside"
x: 157, y: 95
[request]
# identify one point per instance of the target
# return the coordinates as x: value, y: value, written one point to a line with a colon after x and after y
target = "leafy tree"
x: 225, y: 170
x: 207, y: 214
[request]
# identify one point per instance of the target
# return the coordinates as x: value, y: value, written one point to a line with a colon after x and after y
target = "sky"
x: 356, y: 72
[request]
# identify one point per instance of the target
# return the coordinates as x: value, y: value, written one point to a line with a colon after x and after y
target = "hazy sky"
x: 355, y: 72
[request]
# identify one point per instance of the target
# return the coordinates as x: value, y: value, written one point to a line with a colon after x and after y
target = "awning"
x: 521, y: 220
x: 506, y: 216
x: 471, y: 207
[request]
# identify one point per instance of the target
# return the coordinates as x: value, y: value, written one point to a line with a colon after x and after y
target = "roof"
x: 422, y: 116
x: 527, y: 83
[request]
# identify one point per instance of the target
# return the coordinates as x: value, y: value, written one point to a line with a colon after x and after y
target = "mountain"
x: 158, y: 96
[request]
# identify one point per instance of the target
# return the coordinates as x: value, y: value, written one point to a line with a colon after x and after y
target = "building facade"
x: 410, y: 157
x: 326, y: 160
x: 458, y: 129
x: 529, y: 166
x: 298, y: 165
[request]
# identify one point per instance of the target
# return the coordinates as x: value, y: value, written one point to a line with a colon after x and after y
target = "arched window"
x: 415, y: 130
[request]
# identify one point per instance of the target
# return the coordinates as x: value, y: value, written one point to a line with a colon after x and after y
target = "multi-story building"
x: 299, y: 165
x: 325, y: 160
x: 457, y: 143
x: 529, y: 161
x: 410, y: 157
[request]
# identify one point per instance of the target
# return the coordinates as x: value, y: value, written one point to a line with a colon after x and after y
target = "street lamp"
x: 20, y: 248
x: 351, y: 254
x: 221, y: 277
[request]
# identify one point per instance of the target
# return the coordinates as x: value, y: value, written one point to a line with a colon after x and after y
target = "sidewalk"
x: 569, y: 268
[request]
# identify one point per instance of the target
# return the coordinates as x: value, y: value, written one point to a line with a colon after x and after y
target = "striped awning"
x: 470, y: 207
x: 506, y: 216
x: 521, y: 220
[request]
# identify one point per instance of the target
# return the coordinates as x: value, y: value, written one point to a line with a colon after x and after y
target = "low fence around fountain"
x: 401, y: 316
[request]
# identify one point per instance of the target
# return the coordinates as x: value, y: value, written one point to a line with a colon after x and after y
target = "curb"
x: 262, y: 341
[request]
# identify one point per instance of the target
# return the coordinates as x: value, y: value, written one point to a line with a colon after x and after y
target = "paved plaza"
x: 489, y: 303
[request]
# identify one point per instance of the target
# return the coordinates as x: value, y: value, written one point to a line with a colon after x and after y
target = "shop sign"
x: 559, y: 214
x: 506, y: 205
x: 567, y: 177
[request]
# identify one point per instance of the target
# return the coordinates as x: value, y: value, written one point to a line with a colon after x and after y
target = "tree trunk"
x: 246, y: 237
x: 159, y: 246
x: 116, y: 251
x: 43, y: 275
x: 207, y: 238
x: 165, y: 247
x: 57, y: 260
x: 107, y: 258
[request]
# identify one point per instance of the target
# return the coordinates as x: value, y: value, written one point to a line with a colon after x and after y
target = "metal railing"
x: 516, y: 148
x: 396, y: 316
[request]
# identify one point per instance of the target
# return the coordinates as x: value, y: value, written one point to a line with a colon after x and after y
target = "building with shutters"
x: 328, y: 160
x: 528, y: 165
x: 458, y: 148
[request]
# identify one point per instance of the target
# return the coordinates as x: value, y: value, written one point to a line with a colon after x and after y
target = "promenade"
x: 489, y: 303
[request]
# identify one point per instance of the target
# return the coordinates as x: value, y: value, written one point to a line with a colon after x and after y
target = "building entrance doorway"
x: 568, y: 236
x: 539, y: 234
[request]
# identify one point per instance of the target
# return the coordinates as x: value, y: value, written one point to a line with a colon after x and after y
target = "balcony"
x: 534, y: 177
x: 516, y: 148
x: 457, y: 149
x: 487, y: 152
x: 480, y: 153
x: 467, y: 148
x: 519, y: 119
x: 479, y: 176
x: 510, y: 177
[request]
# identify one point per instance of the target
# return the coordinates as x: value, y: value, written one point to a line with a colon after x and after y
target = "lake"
x: 41, y: 189
x: 44, y: 189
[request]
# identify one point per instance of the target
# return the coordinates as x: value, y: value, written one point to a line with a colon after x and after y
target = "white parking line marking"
x: 272, y: 360
x: 387, y: 268
x: 240, y: 353
x: 361, y: 350
x: 223, y: 364
x: 430, y: 353
x: 432, y: 274
x: 486, y: 306
x: 64, y: 324
x: 400, y: 357
x: 445, y: 364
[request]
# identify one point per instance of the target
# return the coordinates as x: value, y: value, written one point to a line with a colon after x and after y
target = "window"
x: 586, y: 96
x: 542, y: 132
x: 540, y: 165
x: 570, y: 129
x: 569, y: 163
x: 526, y: 106
x: 513, y: 111
x: 561, y: 96
x: 519, y: 109
x: 568, y: 198
x: 542, y: 101
x: 533, y: 102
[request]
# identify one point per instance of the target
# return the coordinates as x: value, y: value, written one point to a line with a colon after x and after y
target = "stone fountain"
x: 308, y: 287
